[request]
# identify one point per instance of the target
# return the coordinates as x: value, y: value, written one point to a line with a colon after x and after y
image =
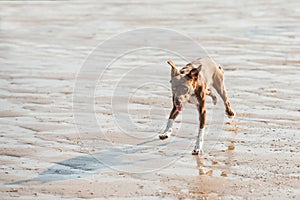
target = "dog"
x: 192, y: 84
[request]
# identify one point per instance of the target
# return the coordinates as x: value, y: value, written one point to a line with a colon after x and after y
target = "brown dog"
x: 191, y: 85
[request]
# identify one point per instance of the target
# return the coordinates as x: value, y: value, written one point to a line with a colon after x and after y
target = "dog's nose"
x: 177, y: 102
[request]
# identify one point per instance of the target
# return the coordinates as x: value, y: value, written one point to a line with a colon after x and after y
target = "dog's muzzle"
x: 178, y: 105
x: 179, y: 108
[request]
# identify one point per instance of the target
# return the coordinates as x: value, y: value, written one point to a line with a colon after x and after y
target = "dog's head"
x: 184, y: 84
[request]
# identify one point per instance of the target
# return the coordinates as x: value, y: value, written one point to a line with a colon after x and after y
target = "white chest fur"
x: 193, y: 99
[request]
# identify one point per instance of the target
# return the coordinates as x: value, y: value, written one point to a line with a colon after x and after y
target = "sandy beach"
x: 81, y: 111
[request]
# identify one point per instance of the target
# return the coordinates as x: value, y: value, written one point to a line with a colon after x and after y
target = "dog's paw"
x: 197, y: 152
x: 166, y: 134
x: 163, y: 136
x: 230, y: 114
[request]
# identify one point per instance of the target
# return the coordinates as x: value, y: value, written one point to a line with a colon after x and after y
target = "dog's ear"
x: 174, y: 71
x: 199, y: 67
x: 193, y: 74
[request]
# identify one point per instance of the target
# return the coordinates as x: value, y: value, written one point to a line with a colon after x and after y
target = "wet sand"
x: 44, y: 155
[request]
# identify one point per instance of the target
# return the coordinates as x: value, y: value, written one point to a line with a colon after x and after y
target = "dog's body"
x: 191, y: 85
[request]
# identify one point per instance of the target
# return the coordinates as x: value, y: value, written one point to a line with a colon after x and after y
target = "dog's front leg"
x: 202, y: 120
x: 168, y: 130
x: 199, y: 142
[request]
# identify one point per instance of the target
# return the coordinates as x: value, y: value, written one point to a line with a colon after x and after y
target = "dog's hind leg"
x: 168, y: 130
x: 219, y: 85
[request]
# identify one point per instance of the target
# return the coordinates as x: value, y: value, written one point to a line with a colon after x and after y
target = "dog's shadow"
x: 120, y: 159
